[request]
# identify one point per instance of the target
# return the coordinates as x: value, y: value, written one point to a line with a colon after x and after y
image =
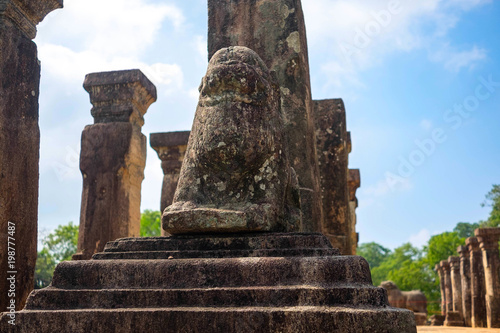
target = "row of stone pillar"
x: 470, y: 283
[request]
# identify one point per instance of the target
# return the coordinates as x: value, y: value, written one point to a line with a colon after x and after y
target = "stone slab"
x: 207, y: 320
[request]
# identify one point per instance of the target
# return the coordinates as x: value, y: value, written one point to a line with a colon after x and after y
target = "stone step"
x: 226, y: 242
x: 353, y: 295
x: 211, y: 273
x: 207, y: 320
x: 310, y: 252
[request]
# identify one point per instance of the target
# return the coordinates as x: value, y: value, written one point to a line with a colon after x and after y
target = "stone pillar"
x: 19, y: 146
x: 478, y: 305
x: 171, y: 148
x: 456, y: 283
x: 353, y: 182
x: 113, y: 157
x: 442, y: 283
x: 332, y: 152
x: 466, y: 289
x: 275, y: 30
x: 488, y: 242
x: 445, y: 267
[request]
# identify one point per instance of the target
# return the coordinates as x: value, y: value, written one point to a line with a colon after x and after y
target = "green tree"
x: 441, y: 246
x: 150, y: 223
x: 373, y: 253
x: 58, y: 246
x: 465, y: 230
x: 403, y: 255
x: 493, y: 201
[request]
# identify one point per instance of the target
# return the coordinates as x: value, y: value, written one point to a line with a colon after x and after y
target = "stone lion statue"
x: 414, y: 300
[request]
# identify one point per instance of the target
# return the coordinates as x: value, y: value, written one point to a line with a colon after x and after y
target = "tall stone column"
x: 19, y: 146
x: 442, y: 283
x: 275, y: 30
x: 113, y: 157
x: 445, y: 267
x: 456, y: 283
x: 466, y: 289
x: 171, y: 148
x: 353, y: 182
x: 453, y: 317
x: 488, y: 242
x: 332, y: 151
x: 478, y: 305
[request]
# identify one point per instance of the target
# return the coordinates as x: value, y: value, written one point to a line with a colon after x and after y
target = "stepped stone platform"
x: 268, y: 282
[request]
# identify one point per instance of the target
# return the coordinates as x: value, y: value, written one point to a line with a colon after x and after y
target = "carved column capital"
x: 488, y: 238
x: 463, y: 251
x: 120, y: 96
x: 171, y: 148
x: 26, y: 14
x: 454, y: 263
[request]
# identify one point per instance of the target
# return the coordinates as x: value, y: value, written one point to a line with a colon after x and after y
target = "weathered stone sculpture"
x: 466, y: 289
x: 478, y: 305
x: 353, y: 182
x: 488, y: 242
x: 113, y: 157
x: 19, y: 146
x: 232, y: 281
x: 171, y: 148
x: 275, y: 30
x: 236, y: 175
x: 414, y: 300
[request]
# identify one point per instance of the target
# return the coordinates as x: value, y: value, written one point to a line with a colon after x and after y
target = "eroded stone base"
x: 239, y: 283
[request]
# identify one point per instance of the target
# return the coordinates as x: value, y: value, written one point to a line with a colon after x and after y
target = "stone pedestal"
x: 275, y: 30
x: 214, y: 283
x: 437, y: 320
x: 19, y: 146
x: 332, y: 152
x: 453, y: 318
x: 171, y: 148
x: 466, y: 286
x: 478, y: 305
x: 113, y: 157
x: 442, y: 283
x: 353, y: 183
x: 488, y: 242
x: 456, y: 283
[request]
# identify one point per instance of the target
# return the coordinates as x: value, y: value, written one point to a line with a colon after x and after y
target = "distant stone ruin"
x: 414, y: 300
x: 470, y: 284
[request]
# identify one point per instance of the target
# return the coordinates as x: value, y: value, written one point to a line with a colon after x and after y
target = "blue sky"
x: 413, y: 75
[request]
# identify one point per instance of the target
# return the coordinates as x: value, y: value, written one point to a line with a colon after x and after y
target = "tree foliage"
x: 150, y: 223
x: 373, y: 253
x: 58, y: 246
x: 441, y: 246
x: 493, y: 201
x: 465, y: 230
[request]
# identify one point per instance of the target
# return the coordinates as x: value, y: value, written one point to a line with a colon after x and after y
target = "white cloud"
x: 386, y: 186
x: 110, y: 27
x: 454, y: 61
x: 361, y: 33
x: 421, y: 238
x: 70, y: 66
